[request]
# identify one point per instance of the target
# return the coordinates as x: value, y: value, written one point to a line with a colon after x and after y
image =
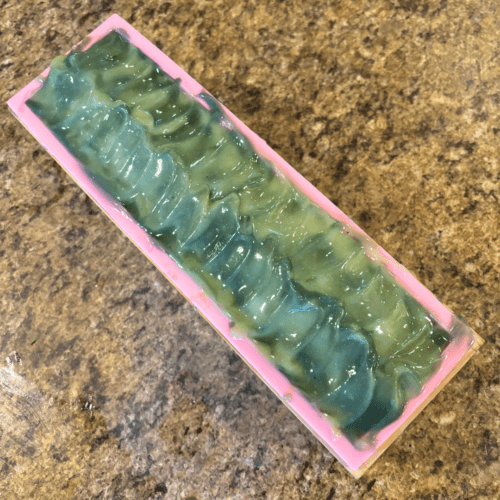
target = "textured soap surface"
x: 336, y: 323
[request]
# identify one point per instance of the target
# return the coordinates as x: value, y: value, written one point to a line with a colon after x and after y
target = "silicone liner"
x: 464, y: 341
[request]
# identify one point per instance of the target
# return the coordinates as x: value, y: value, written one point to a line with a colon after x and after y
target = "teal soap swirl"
x: 334, y: 322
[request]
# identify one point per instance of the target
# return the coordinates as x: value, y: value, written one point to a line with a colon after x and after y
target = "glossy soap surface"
x: 336, y: 323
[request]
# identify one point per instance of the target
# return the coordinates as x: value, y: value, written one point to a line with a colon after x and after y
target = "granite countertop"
x: 112, y: 386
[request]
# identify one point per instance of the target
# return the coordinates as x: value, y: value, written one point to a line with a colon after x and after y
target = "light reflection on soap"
x: 331, y: 319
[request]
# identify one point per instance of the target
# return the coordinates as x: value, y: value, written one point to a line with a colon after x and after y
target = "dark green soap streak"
x: 333, y: 321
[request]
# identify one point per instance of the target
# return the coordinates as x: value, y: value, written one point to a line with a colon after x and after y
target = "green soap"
x: 336, y: 323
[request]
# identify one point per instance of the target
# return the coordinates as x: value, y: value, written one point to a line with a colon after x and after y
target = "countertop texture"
x: 113, y: 387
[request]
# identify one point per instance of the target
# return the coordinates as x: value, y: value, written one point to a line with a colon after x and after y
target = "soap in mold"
x: 336, y: 323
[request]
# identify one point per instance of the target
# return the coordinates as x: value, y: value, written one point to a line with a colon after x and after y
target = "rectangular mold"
x: 464, y: 341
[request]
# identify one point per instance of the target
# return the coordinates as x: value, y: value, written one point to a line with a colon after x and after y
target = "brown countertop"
x: 114, y: 387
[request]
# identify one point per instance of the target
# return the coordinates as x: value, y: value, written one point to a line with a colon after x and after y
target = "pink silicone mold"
x: 465, y: 341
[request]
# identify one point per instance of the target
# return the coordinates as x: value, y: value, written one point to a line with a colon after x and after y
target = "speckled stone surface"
x: 111, y: 385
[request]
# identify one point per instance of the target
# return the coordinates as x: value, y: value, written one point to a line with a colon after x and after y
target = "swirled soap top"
x: 332, y: 320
